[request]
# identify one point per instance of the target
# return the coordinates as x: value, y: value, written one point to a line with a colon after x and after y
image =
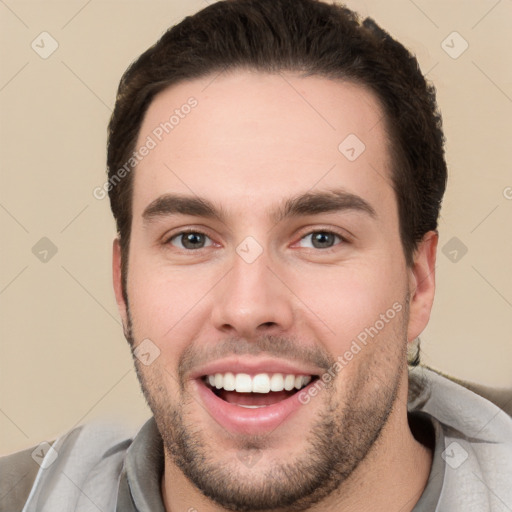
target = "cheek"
x: 161, y: 291
x: 159, y: 383
x: 167, y: 305
x: 347, y: 300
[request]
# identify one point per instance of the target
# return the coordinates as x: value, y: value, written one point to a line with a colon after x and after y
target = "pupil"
x: 322, y: 240
x: 193, y: 240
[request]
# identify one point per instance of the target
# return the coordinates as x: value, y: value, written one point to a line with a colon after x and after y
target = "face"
x: 267, y: 278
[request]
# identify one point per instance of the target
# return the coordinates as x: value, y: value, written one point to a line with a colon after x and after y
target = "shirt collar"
x: 140, y: 481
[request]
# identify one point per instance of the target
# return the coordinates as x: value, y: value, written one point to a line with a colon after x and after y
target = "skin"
x: 252, y: 143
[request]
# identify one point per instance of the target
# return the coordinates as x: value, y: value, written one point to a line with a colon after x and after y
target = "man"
x: 276, y: 171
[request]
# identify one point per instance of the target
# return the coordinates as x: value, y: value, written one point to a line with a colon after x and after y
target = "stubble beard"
x: 338, y: 441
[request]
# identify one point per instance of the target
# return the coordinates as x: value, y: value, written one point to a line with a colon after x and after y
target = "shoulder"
x: 80, y: 451
x: 501, y: 397
x: 477, y: 438
x: 17, y: 474
x: 476, y: 413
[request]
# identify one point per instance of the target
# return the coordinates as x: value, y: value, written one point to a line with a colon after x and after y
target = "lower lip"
x: 242, y: 420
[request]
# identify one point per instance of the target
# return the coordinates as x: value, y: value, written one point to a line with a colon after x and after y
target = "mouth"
x: 252, y: 402
x: 255, y: 391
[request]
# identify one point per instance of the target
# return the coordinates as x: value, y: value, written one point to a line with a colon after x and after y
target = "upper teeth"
x: 260, y: 383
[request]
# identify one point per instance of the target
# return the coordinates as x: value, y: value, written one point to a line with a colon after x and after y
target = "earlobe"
x: 117, y: 279
x: 422, y: 284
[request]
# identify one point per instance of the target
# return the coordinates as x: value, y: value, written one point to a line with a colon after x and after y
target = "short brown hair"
x: 306, y: 36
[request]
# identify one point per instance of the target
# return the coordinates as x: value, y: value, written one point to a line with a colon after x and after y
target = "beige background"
x: 63, y: 358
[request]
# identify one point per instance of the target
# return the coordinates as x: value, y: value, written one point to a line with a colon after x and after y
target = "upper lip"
x: 255, y: 365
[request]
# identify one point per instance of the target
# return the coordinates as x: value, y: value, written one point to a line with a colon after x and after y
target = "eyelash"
x: 344, y: 240
x: 168, y: 239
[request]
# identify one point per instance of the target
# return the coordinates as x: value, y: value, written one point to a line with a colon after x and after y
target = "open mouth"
x: 256, y: 391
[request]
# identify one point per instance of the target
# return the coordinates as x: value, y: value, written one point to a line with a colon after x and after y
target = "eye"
x: 320, y: 240
x: 190, y: 240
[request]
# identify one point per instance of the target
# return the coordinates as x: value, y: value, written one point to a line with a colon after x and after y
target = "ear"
x: 117, y: 280
x: 422, y: 284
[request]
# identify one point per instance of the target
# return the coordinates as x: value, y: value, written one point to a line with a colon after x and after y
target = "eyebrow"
x: 309, y: 203
x: 314, y: 203
x: 174, y: 204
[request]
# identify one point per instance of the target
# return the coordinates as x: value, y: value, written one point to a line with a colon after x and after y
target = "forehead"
x: 252, y: 138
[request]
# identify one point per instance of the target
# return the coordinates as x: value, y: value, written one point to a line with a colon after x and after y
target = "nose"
x: 251, y: 300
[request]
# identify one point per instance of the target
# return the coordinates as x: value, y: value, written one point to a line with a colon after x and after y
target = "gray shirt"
x: 107, y: 467
x: 139, y: 486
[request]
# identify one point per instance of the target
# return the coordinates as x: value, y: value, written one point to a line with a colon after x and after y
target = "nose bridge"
x: 251, y: 298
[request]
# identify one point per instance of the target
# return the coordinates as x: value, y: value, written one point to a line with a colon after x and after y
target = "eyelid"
x: 166, y: 239
x: 309, y: 230
x: 302, y: 233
